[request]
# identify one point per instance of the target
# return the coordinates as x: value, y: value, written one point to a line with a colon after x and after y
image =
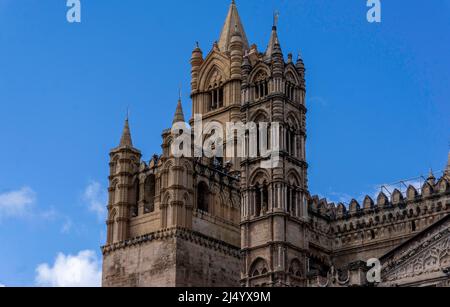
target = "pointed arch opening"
x: 259, y: 268
x: 259, y: 193
x: 150, y: 194
x: 203, y: 195
x: 134, y: 197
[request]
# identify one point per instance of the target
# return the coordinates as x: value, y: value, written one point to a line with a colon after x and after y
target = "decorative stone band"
x: 179, y: 233
x: 392, y: 263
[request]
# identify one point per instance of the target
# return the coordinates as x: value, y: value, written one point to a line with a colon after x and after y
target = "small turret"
x: 123, y: 192
x: 246, y: 69
x: 274, y: 54
x: 196, y: 63
x: 236, y: 49
x: 300, y: 66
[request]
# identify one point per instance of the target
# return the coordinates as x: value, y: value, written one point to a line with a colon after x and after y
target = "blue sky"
x: 378, y: 99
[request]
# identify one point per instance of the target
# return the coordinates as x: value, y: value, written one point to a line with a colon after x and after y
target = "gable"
x: 424, y: 260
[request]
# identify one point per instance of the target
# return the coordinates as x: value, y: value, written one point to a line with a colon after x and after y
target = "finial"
x: 128, y: 114
x: 179, y: 93
x: 276, y: 16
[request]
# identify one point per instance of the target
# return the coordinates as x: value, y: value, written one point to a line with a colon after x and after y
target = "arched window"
x: 265, y: 193
x: 134, y: 198
x: 263, y: 135
x: 289, y: 199
x: 202, y: 197
x: 150, y: 189
x: 296, y: 268
x: 290, y: 90
x: 112, y: 237
x: 293, y: 195
x: 215, y: 98
x: 258, y: 268
x: 258, y: 201
x: 290, y: 140
x: 261, y: 85
x: 261, y: 89
x: 261, y: 199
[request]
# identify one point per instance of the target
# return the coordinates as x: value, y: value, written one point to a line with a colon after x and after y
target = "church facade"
x: 226, y: 221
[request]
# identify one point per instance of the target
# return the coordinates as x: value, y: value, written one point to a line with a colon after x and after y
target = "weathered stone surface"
x: 231, y: 221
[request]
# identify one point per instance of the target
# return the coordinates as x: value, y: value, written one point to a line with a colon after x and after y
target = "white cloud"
x: 82, y: 270
x: 95, y: 196
x: 2, y: 286
x: 17, y: 203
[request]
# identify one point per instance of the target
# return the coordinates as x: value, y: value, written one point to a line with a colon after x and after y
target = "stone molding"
x: 177, y: 233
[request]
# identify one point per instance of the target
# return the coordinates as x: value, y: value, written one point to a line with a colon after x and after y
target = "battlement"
x: 385, y: 202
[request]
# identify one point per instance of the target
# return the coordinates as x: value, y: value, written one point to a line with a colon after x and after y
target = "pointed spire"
x: 125, y: 140
x: 431, y: 179
x: 274, y: 42
x: 299, y: 61
x: 179, y: 114
x: 232, y: 24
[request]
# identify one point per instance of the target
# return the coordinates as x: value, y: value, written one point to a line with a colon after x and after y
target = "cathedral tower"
x: 274, y: 212
x: 216, y: 80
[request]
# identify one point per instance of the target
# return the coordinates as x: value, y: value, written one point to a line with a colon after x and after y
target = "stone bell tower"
x: 274, y: 210
x: 123, y: 187
x: 216, y: 81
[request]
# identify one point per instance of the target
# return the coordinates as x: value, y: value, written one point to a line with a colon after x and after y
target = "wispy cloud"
x: 2, y: 286
x: 96, y: 199
x: 17, y: 203
x: 82, y: 270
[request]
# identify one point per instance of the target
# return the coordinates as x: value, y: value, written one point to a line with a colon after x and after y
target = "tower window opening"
x: 289, y: 199
x: 150, y: 189
x: 258, y: 201
x: 215, y: 98
x: 265, y: 194
x: 290, y: 91
x: 290, y: 141
x: 135, y: 199
x: 202, y: 197
x: 263, y: 136
x: 261, y: 90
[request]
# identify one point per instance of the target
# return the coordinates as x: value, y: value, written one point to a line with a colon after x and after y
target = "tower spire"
x: 125, y: 140
x: 274, y: 42
x: 179, y: 114
x: 232, y: 24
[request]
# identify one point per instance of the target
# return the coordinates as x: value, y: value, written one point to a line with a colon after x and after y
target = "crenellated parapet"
x: 379, y: 224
